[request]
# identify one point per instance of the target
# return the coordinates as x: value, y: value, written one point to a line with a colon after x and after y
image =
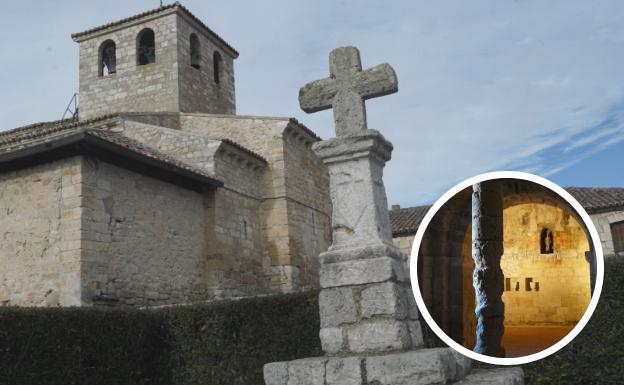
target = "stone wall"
x: 168, y: 84
x: 198, y: 90
x: 151, y: 87
x: 40, y: 229
x: 309, y: 219
x: 603, y: 221
x: 404, y: 243
x: 151, y: 243
x: 295, y: 192
x: 144, y: 239
x: 559, y: 287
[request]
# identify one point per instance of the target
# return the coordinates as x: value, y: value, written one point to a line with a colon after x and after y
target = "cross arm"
x: 317, y: 95
x: 376, y: 81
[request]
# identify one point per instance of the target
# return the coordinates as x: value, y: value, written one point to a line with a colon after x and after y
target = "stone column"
x: 365, y: 301
x: 488, y: 280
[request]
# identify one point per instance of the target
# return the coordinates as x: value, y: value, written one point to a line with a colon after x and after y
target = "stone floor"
x: 524, y: 340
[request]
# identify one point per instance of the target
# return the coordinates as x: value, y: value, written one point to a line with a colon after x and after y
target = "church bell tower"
x: 163, y: 60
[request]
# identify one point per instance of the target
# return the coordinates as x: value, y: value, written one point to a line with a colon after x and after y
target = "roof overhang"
x: 83, y: 144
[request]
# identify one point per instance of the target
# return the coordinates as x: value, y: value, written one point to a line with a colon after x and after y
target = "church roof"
x: 154, y: 11
x: 30, y: 135
x: 405, y: 221
x: 37, y: 130
x: 595, y: 200
x: 113, y: 148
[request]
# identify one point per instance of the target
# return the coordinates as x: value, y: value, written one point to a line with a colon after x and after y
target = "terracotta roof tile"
x: 406, y: 221
x: 243, y: 149
x: 142, y: 149
x: 304, y: 128
x: 593, y: 199
x: 598, y: 199
x: 37, y: 130
x: 153, y: 12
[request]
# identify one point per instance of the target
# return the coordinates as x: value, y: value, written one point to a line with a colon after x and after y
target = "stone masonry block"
x: 337, y: 306
x: 361, y: 272
x: 412, y: 307
x: 379, y: 335
x: 332, y: 340
x: 276, y: 373
x: 307, y: 371
x: 385, y: 298
x: 415, y: 333
x: 426, y: 366
x: 498, y: 376
x: 344, y: 371
x: 463, y: 365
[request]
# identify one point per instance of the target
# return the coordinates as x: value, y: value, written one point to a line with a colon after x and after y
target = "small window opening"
x: 108, y: 58
x: 195, y: 51
x: 546, y: 241
x: 146, y: 50
x: 617, y: 233
x: 527, y: 284
x: 217, y: 62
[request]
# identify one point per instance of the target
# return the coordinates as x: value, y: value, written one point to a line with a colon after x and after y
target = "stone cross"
x: 346, y: 89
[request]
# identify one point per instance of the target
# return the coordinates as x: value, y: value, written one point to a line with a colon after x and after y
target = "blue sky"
x: 483, y: 85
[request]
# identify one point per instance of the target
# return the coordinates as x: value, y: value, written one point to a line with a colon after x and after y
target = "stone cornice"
x: 370, y: 143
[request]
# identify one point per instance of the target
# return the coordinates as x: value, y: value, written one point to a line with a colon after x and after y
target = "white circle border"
x: 588, y: 224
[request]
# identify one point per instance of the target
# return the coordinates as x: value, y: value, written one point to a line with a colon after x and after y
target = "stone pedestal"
x: 359, y: 204
x: 366, y: 304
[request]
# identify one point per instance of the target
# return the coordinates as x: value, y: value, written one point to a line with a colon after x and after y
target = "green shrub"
x: 228, y: 342
x: 225, y: 342
x: 596, y: 355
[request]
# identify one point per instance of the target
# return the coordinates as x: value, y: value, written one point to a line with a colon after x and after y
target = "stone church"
x: 156, y: 192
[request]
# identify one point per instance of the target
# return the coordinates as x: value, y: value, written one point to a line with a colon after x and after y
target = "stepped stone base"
x: 502, y: 376
x: 418, y: 367
x: 425, y: 366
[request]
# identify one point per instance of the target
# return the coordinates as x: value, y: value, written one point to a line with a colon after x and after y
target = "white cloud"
x: 483, y: 85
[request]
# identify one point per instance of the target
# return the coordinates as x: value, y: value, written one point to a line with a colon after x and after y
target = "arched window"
x: 146, y: 48
x: 217, y: 63
x: 195, y: 51
x: 546, y: 241
x: 108, y: 58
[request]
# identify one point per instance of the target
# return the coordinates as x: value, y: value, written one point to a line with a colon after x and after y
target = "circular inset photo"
x: 506, y: 268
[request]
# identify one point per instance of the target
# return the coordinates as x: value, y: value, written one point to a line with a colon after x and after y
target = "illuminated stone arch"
x: 446, y: 265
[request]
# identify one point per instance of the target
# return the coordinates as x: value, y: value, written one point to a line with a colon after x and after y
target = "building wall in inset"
x: 544, y: 288
x: 603, y: 222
